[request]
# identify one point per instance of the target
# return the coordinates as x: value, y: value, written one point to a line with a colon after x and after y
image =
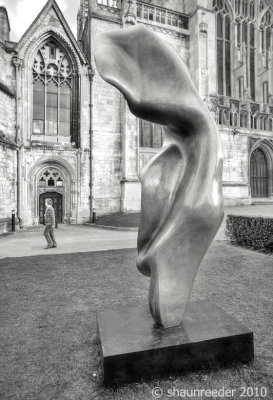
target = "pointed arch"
x: 32, y: 32
x: 43, y: 161
x: 266, y: 147
x: 67, y: 190
x: 263, y: 12
x: 42, y: 36
x: 68, y: 126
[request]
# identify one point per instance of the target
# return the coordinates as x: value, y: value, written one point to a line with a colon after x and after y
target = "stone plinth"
x: 133, y: 347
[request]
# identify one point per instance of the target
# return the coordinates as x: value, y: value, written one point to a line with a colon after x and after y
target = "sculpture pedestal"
x: 133, y: 347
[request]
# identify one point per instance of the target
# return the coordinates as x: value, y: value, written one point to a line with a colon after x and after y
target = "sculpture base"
x: 133, y: 347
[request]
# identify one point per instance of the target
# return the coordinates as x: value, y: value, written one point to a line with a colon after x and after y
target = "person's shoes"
x: 54, y: 245
x: 49, y: 246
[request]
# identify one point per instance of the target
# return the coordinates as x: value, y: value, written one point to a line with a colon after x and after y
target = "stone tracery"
x: 52, y: 86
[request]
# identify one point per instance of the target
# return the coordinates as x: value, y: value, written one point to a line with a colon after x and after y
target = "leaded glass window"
x: 223, y: 37
x: 150, y: 135
x: 52, y: 92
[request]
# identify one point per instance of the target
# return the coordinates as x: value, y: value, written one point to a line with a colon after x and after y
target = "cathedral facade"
x: 68, y: 135
x: 44, y: 122
x: 227, y: 46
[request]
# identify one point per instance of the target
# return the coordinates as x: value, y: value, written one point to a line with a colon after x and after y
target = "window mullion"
x: 58, y: 111
x: 45, y: 128
x: 248, y: 60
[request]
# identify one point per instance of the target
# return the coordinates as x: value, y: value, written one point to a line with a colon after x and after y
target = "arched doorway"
x: 259, y: 174
x: 57, y: 200
x: 52, y: 175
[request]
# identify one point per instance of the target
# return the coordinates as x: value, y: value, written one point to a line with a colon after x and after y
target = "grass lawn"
x: 48, y: 308
x: 130, y: 220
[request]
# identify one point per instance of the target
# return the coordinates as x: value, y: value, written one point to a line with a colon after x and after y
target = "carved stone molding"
x: 46, y: 33
x: 251, y: 142
x: 130, y: 13
x: 18, y: 62
x: 31, y: 36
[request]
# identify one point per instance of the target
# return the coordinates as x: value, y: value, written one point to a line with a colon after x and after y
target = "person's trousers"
x: 49, y: 235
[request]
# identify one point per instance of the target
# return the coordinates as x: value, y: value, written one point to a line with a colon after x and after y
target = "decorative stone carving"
x: 18, y: 62
x: 130, y: 13
x: 251, y: 142
x: 182, y: 201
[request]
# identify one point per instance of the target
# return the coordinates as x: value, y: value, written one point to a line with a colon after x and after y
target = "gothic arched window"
x: 223, y: 37
x: 52, y: 93
x: 245, y: 40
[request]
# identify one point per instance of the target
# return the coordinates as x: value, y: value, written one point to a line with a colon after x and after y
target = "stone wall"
x: 7, y: 115
x: 8, y: 153
x: 235, y: 169
x: 85, y: 110
x: 106, y: 132
x: 7, y: 95
x: 8, y: 182
x: 116, y: 156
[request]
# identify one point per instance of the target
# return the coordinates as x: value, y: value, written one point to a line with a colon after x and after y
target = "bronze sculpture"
x: 182, y: 202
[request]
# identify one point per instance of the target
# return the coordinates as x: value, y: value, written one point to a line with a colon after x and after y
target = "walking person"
x: 50, y: 224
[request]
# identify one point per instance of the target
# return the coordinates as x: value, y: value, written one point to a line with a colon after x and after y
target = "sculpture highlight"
x: 182, y: 201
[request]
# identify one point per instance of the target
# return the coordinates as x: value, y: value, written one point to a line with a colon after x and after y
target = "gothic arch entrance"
x: 52, y: 176
x: 259, y: 179
x: 57, y: 202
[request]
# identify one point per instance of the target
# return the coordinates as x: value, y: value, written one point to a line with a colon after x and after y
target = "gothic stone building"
x: 44, y: 121
x: 66, y: 134
x: 227, y: 45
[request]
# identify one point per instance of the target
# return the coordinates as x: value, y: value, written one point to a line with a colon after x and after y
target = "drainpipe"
x: 79, y: 153
x: 123, y: 105
x: 91, y: 74
x: 18, y: 63
x: 128, y: 18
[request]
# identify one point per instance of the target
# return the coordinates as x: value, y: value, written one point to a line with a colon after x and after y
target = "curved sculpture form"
x: 182, y: 202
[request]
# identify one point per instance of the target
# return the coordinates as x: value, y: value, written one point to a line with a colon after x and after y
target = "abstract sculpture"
x: 182, y: 202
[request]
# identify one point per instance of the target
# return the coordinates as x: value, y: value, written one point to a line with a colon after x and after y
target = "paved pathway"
x: 80, y: 238
x: 70, y: 239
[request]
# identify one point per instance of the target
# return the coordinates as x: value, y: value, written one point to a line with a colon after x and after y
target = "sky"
x: 23, y: 12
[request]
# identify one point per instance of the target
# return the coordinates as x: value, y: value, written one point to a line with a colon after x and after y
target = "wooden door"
x: 258, y: 174
x: 57, y: 200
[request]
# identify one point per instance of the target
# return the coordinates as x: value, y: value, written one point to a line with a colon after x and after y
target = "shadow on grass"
x: 48, y: 321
